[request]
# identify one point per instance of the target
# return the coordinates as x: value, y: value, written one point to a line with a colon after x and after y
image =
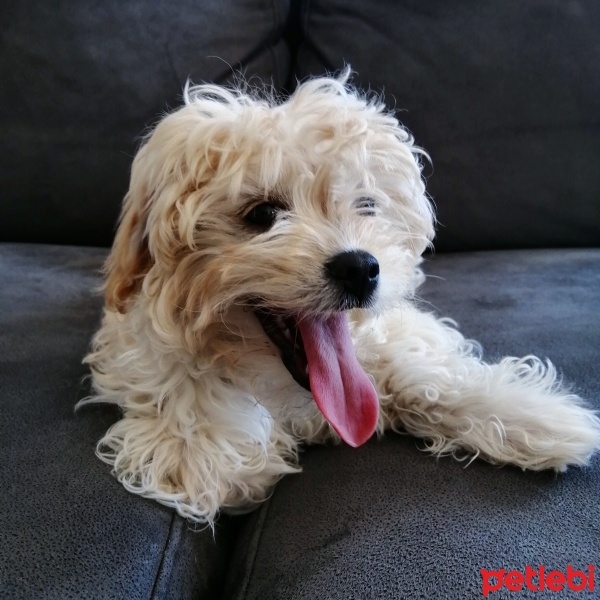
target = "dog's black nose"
x: 357, y: 274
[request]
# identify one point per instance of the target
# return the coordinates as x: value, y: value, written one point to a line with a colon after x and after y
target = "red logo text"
x: 538, y: 580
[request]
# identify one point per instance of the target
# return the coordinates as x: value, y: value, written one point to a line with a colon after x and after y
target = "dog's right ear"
x: 130, y: 257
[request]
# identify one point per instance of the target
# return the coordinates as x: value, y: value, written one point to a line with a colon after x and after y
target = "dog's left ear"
x: 130, y: 258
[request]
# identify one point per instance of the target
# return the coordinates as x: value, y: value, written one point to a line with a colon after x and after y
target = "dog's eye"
x: 262, y: 215
x: 365, y: 207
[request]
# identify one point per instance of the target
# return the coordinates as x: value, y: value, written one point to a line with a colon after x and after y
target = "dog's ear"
x: 130, y: 257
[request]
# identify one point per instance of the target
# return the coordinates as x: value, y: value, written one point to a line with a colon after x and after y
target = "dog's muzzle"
x: 318, y: 351
x: 356, y: 275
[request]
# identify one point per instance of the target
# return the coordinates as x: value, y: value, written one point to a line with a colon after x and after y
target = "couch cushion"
x: 389, y: 521
x: 81, y: 81
x: 505, y: 96
x: 69, y: 529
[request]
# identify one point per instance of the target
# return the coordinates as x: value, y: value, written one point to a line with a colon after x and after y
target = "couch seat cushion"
x: 389, y: 521
x: 69, y: 529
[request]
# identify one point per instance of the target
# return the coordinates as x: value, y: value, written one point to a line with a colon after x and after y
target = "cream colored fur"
x: 211, y: 417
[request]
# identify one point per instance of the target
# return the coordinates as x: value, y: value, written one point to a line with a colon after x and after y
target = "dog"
x: 261, y: 295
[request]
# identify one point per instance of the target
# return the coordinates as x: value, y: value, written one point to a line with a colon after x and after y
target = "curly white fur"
x: 211, y: 417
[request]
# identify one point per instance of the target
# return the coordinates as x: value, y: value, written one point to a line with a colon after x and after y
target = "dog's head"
x: 292, y: 212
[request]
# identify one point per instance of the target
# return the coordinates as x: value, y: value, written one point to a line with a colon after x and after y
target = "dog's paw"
x: 567, y: 434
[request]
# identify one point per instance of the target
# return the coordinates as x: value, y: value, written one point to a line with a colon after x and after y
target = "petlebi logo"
x: 538, y: 579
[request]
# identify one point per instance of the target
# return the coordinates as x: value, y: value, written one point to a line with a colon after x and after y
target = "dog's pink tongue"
x: 342, y: 390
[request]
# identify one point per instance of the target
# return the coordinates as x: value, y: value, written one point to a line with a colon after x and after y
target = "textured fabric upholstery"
x: 389, y: 521
x: 505, y: 96
x: 82, y: 80
x: 69, y: 529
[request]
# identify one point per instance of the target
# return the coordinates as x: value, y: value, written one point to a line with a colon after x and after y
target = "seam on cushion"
x: 268, y: 45
x: 163, y: 570
x: 255, y: 544
x: 293, y: 37
x: 310, y: 46
x: 276, y: 19
x: 275, y: 77
x: 305, y: 39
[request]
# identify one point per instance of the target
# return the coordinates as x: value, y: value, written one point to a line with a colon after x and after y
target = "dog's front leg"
x: 434, y: 385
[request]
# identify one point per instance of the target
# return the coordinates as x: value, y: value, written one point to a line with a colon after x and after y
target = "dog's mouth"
x: 319, y: 354
x: 283, y: 331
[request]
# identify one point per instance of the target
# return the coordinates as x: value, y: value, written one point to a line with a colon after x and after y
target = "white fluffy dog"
x: 260, y: 295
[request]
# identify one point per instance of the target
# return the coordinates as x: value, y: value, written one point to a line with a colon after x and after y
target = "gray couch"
x: 505, y: 96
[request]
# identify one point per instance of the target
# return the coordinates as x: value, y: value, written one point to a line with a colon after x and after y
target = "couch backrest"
x: 80, y: 82
x: 505, y: 96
